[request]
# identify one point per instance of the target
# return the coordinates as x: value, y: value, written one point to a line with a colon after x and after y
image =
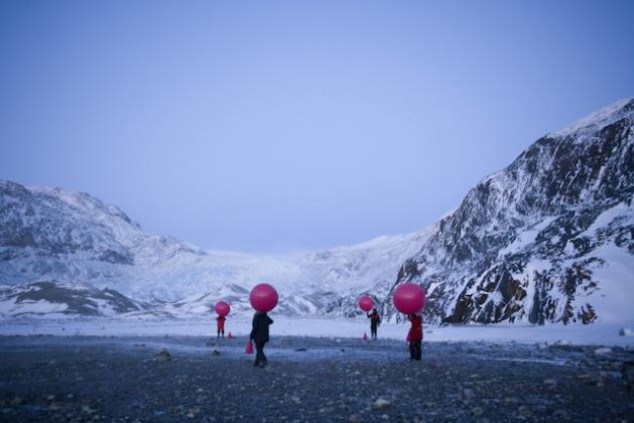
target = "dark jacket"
x: 375, y: 318
x: 260, y: 331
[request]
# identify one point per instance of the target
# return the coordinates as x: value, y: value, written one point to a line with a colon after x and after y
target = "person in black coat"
x: 375, y: 321
x: 260, y: 336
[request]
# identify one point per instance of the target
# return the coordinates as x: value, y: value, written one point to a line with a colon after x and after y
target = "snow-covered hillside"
x: 549, y: 239
x: 50, y: 235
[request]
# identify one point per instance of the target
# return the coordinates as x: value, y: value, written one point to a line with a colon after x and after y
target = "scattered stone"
x: 215, y: 352
x: 602, y: 379
x: 523, y: 412
x: 586, y: 378
x: 382, y: 403
x: 162, y: 356
x: 468, y: 394
x: 87, y: 409
x: 627, y: 372
x: 477, y: 411
x: 17, y: 400
x: 603, y: 351
x: 550, y: 383
x: 192, y: 413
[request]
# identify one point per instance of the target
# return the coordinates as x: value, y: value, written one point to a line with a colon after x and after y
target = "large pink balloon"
x: 366, y: 303
x: 263, y: 297
x: 222, y: 308
x: 409, y: 298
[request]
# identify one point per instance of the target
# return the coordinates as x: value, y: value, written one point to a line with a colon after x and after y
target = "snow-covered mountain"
x: 548, y: 239
x: 73, y: 239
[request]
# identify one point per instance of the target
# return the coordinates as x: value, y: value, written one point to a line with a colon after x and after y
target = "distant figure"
x: 220, y: 321
x: 415, y: 336
x: 260, y: 336
x: 375, y: 321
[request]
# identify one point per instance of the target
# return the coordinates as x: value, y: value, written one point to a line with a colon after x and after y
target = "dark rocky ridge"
x: 558, y: 186
x: 84, y: 301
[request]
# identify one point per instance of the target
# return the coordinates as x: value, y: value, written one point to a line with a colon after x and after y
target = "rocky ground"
x: 174, y: 379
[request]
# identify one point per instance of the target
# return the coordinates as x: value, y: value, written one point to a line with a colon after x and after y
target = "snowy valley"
x: 547, y: 240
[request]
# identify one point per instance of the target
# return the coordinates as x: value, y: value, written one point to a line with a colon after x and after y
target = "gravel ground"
x: 174, y: 379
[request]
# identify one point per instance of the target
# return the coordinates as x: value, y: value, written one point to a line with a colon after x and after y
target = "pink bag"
x: 249, y: 347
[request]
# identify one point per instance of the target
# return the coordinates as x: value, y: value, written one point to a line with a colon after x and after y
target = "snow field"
x: 606, y: 334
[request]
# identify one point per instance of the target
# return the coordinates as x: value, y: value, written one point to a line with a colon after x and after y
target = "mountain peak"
x: 596, y: 121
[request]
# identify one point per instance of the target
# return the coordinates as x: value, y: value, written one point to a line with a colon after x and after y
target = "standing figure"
x: 415, y: 336
x: 375, y: 321
x: 220, y: 321
x: 260, y: 336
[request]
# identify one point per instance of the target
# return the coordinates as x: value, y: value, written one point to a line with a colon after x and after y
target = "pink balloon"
x: 366, y: 303
x: 263, y: 297
x: 222, y: 308
x: 409, y: 298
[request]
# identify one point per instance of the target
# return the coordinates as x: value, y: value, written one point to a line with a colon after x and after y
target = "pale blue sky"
x: 269, y: 126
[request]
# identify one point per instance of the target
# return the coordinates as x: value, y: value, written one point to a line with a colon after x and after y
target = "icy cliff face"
x: 548, y: 239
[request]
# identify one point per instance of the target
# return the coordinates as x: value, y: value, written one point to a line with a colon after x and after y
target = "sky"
x: 279, y: 126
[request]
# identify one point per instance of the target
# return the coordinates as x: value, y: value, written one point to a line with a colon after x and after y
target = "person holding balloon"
x: 375, y: 321
x: 366, y: 303
x: 260, y: 336
x: 222, y: 309
x: 415, y: 336
x: 409, y: 299
x: 220, y: 323
x: 263, y: 299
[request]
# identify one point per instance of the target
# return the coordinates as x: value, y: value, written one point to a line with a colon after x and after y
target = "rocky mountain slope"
x: 549, y: 239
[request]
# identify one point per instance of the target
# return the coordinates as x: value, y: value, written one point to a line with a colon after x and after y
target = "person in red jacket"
x: 415, y: 336
x: 220, y: 321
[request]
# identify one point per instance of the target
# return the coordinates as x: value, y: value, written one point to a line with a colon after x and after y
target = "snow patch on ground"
x: 603, y: 333
x: 39, y: 307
